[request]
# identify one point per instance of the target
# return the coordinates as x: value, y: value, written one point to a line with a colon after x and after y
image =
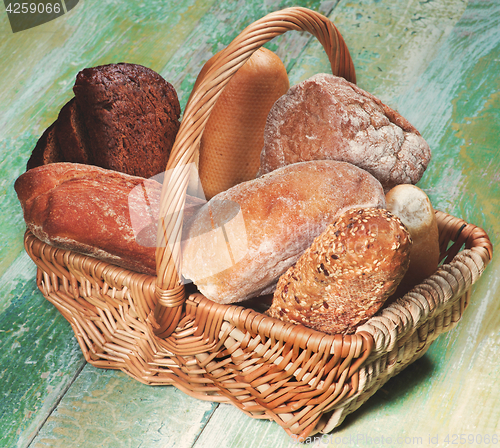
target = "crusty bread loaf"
x: 414, y: 208
x: 124, y: 117
x: 347, y: 274
x: 131, y: 115
x: 243, y: 239
x: 234, y: 134
x: 102, y: 213
x: 327, y: 117
x: 46, y: 150
x: 72, y: 134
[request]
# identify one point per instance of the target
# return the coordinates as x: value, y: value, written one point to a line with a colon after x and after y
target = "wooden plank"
x: 40, y: 355
x: 229, y: 427
x: 109, y: 409
x: 391, y: 43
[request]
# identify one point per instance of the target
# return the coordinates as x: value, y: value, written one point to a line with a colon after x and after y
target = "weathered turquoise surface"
x: 436, y: 61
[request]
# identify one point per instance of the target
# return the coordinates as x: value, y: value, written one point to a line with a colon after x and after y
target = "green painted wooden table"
x: 436, y: 61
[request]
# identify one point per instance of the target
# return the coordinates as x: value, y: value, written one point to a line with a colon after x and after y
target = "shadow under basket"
x: 304, y: 380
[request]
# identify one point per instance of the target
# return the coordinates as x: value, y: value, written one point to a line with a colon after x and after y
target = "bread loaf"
x: 413, y: 207
x: 124, y: 117
x: 327, y: 117
x: 234, y: 134
x: 101, y: 213
x: 347, y: 274
x: 46, y: 150
x: 72, y: 134
x: 243, y: 239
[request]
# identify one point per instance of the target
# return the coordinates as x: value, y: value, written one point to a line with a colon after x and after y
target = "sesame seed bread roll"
x: 240, y: 242
x: 347, y: 274
x: 234, y: 134
x: 414, y: 208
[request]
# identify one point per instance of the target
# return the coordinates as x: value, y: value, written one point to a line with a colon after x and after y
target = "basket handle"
x: 169, y: 291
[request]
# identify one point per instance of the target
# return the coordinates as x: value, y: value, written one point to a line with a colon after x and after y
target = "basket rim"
x: 475, y: 242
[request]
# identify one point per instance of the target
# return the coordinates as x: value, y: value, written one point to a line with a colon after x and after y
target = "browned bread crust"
x: 72, y: 134
x: 244, y: 238
x: 234, y: 134
x: 90, y: 210
x: 124, y: 117
x: 131, y: 115
x: 46, y: 150
x: 347, y: 274
x: 327, y: 117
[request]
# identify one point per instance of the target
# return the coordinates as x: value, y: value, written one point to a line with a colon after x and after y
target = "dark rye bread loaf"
x: 124, y: 117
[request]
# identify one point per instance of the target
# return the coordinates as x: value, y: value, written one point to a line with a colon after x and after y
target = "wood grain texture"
x: 391, y: 43
x: 106, y: 408
x: 437, y: 62
x: 40, y: 355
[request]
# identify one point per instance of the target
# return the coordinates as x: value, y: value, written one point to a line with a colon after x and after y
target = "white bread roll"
x: 415, y: 210
x: 234, y: 135
x: 243, y: 239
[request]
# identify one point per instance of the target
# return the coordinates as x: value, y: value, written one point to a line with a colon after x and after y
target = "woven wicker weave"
x: 306, y: 381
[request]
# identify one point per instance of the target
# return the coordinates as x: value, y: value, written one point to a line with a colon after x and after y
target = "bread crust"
x: 93, y: 211
x: 46, y: 149
x: 268, y: 222
x: 131, y: 115
x: 234, y: 134
x: 327, y: 117
x: 414, y: 208
x: 124, y: 117
x: 72, y: 135
x: 347, y: 274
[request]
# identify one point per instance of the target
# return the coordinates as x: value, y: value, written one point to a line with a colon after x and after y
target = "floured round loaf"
x: 327, y: 117
x: 234, y: 134
x: 243, y: 239
x: 414, y: 208
x: 347, y: 274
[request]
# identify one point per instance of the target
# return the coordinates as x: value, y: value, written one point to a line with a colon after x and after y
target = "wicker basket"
x: 306, y: 381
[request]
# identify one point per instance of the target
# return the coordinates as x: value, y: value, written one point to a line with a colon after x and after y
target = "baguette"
x: 414, y: 208
x: 234, y: 134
